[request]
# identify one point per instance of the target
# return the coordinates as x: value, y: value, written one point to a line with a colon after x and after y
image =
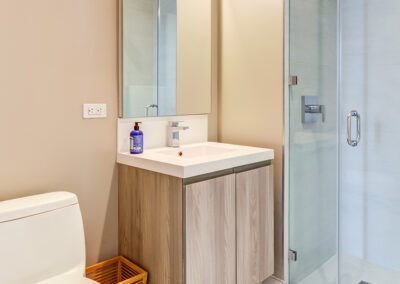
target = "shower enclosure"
x: 344, y: 137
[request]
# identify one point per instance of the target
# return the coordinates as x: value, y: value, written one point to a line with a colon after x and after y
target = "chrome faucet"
x: 150, y: 106
x: 173, y: 133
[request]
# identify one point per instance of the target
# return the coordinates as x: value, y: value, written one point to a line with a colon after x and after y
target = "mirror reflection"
x: 156, y: 79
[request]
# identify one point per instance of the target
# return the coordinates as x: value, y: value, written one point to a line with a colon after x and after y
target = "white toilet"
x: 42, y: 240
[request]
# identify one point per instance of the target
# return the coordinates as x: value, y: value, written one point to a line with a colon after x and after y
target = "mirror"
x: 165, y: 57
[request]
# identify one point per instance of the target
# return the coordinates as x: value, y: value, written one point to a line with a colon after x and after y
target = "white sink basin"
x: 195, y: 159
x: 196, y: 151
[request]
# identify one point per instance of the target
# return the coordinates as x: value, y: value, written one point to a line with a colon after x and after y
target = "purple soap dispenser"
x: 136, y: 146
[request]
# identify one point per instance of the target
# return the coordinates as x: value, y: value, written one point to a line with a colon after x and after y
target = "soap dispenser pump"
x: 136, y: 139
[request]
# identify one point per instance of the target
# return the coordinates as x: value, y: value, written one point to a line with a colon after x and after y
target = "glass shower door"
x: 369, y: 230
x: 313, y: 150
x: 344, y: 170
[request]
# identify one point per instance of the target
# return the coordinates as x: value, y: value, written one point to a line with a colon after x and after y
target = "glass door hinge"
x: 292, y: 255
x: 292, y: 80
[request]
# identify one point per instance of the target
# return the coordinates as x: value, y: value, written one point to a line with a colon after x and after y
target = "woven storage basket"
x: 117, y: 270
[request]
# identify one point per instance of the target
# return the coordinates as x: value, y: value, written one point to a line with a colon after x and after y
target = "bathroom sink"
x: 195, y: 159
x: 192, y: 152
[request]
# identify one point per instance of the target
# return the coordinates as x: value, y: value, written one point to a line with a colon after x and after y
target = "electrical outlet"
x: 94, y: 110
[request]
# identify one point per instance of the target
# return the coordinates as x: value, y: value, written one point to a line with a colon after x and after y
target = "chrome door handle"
x: 351, y: 141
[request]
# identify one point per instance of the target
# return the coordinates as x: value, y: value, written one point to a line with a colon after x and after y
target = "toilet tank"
x: 41, y: 236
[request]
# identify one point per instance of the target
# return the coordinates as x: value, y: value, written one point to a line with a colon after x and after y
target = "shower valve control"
x: 310, y: 109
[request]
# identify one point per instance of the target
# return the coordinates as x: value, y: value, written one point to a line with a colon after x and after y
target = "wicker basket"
x: 117, y: 270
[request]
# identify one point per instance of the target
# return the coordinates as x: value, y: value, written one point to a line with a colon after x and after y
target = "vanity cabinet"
x: 210, y: 231
x: 215, y: 228
x: 255, y: 225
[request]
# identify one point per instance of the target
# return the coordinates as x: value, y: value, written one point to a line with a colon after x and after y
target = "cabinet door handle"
x: 350, y: 141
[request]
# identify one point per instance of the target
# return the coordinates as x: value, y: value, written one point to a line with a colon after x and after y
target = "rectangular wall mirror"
x: 165, y: 57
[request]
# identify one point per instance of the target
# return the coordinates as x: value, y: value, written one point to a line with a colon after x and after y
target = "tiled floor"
x: 353, y: 270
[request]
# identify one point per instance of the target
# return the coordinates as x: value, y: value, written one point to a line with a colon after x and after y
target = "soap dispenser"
x: 136, y: 146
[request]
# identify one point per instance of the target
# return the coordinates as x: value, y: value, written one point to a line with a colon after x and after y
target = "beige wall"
x: 56, y: 55
x: 213, y: 116
x: 250, y: 106
x: 193, y: 60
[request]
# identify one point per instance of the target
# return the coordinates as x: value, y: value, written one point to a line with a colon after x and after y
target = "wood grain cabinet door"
x: 210, y: 231
x: 255, y: 227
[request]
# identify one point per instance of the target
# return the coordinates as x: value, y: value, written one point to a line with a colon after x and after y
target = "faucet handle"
x: 175, y: 123
x: 173, y: 133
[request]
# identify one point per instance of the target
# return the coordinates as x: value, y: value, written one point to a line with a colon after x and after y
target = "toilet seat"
x: 68, y: 279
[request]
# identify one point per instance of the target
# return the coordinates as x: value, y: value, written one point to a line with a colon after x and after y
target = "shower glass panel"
x: 344, y: 189
x: 369, y: 205
x: 313, y: 165
x: 149, y: 59
x: 167, y: 58
x: 140, y: 36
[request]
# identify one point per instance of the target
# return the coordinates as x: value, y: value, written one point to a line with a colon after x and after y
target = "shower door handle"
x: 351, y: 141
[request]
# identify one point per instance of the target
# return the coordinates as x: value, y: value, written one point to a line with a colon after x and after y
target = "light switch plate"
x: 94, y: 110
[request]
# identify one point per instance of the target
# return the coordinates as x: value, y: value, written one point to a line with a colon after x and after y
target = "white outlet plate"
x: 94, y: 110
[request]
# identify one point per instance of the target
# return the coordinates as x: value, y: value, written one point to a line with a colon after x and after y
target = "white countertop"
x: 196, y: 159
